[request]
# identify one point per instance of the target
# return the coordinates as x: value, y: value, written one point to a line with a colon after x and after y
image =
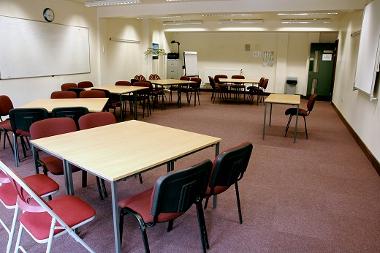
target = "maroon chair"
x: 228, y: 169
x: 63, y: 94
x: 301, y: 112
x: 42, y: 185
x: 85, y: 84
x: 144, y: 96
x: 194, y: 88
x: 67, y: 86
x: 255, y: 90
x: 5, y: 125
x: 171, y: 196
x: 92, y: 94
x: 154, y: 77
x: 223, y: 88
x: 238, y: 88
x: 139, y: 78
x: 122, y: 83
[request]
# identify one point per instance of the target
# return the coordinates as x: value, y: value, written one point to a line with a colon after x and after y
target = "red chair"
x: 45, y: 220
x: 92, y: 94
x: 223, y: 88
x: 42, y: 185
x: 85, y: 84
x: 172, y: 195
x: 144, y: 96
x: 123, y: 83
x: 5, y: 125
x: 238, y: 88
x: 154, y: 77
x: 253, y: 90
x: 228, y: 169
x: 63, y: 94
x: 140, y: 78
x: 67, y: 86
x: 301, y: 112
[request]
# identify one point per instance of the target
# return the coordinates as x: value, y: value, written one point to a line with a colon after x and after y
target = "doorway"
x: 322, y: 62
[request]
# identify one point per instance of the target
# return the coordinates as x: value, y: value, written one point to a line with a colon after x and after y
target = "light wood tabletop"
x: 168, y: 82
x: 235, y: 80
x: 119, y: 150
x: 92, y: 104
x: 283, y: 99
x: 121, y: 89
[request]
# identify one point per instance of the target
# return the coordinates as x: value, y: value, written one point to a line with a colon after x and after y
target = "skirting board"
x: 367, y: 152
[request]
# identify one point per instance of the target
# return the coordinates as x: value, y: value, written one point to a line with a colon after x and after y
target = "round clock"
x: 48, y: 14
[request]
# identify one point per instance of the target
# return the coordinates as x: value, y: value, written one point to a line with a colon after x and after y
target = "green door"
x: 322, y: 70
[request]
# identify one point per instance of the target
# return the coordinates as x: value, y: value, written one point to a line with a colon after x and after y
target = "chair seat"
x: 6, y: 124
x: 70, y: 209
x: 55, y: 165
x: 39, y: 183
x: 217, y: 189
x: 293, y: 111
x: 140, y: 204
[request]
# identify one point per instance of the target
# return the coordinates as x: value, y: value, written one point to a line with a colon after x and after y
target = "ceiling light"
x: 243, y: 21
x: 183, y: 22
x: 100, y: 3
x: 167, y: 17
x: 307, y: 13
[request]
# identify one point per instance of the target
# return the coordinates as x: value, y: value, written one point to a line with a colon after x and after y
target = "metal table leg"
x: 115, y: 214
x: 270, y: 115
x: 134, y: 105
x: 214, y: 198
x: 295, y: 129
x: 265, y: 118
x: 68, y: 177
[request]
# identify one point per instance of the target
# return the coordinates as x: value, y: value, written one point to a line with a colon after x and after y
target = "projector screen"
x: 369, y: 49
x: 191, y: 63
x: 31, y: 48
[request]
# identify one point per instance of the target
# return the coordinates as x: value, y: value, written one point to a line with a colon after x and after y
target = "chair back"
x: 217, y: 77
x: 23, y: 118
x: 107, y: 93
x: 212, y: 82
x: 63, y: 94
x: 140, y: 78
x: 92, y: 94
x: 5, y: 105
x: 154, y: 77
x: 72, y: 112
x: 67, y: 86
x: 96, y: 119
x: 85, y: 84
x: 185, y: 78
x: 143, y: 84
x: 52, y: 126
x: 122, y: 83
x: 229, y: 167
x: 311, y: 102
x: 197, y: 81
x: 264, y: 84
x: 177, y: 191
x: 238, y: 77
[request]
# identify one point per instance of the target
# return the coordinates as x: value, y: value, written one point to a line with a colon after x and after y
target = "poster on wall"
x: 155, y: 47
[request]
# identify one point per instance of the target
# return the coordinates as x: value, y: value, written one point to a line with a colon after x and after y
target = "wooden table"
x: 286, y: 99
x: 124, y: 90
x: 124, y: 149
x: 92, y: 104
x: 234, y: 81
x: 173, y: 82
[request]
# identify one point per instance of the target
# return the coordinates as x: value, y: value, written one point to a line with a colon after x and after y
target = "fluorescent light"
x: 100, y: 3
x: 183, y: 22
x: 242, y: 29
x: 185, y: 30
x: 307, y: 13
x: 242, y: 21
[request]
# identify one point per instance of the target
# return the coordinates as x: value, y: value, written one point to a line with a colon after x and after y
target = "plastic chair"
x: 229, y: 168
x: 21, y: 119
x: 42, y: 185
x: 301, y: 112
x: 45, y: 220
x: 67, y: 86
x: 172, y: 195
x: 63, y: 94
x: 5, y: 125
x: 85, y: 84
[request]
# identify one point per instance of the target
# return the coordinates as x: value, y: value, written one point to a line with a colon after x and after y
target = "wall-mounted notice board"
x: 369, y: 50
x: 31, y: 48
x: 191, y: 63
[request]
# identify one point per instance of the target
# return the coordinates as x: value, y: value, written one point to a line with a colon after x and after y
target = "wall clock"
x: 48, y: 14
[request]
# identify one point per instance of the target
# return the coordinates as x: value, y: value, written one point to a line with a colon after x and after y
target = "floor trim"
x: 367, y: 152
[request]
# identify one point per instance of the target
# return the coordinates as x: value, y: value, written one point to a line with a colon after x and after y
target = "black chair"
x: 229, y: 168
x: 301, y: 112
x: 21, y: 120
x: 73, y: 112
x: 172, y: 195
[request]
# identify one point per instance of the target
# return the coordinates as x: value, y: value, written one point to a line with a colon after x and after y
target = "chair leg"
x: 304, y: 119
x: 170, y: 226
x: 238, y: 203
x: 202, y: 227
x: 287, y: 125
x: 104, y: 188
x: 84, y: 178
x: 99, y: 188
x: 17, y: 246
x: 15, y: 149
x: 144, y: 237
x: 140, y: 178
x: 206, y: 202
x: 121, y: 226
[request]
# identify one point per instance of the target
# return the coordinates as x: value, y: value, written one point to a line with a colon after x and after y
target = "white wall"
x: 224, y: 52
x: 361, y: 114
x: 66, y: 12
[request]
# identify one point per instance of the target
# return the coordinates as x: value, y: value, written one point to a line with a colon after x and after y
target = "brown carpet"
x: 317, y: 195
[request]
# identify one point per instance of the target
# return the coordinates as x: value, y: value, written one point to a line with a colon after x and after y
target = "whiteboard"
x: 31, y: 48
x: 191, y: 63
x: 369, y: 46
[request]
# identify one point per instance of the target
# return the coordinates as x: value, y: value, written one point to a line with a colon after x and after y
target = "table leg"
x: 270, y: 115
x: 179, y: 101
x: 134, y: 105
x: 115, y: 214
x: 295, y: 129
x: 68, y: 177
x: 121, y: 108
x: 265, y: 118
x: 215, y: 198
